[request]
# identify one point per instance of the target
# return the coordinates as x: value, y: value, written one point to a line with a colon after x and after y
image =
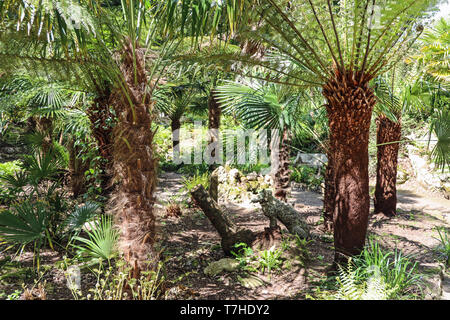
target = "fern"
x: 348, y: 286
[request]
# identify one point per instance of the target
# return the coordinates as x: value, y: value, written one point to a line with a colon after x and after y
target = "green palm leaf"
x: 102, y: 242
x: 25, y: 225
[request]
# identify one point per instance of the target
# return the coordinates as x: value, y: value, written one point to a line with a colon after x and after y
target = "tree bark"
x: 214, y: 115
x: 175, y: 125
x: 102, y: 120
x: 44, y: 126
x: 350, y: 105
x: 385, y: 200
x: 283, y: 173
x: 227, y: 230
x: 77, y: 167
x: 329, y: 196
x: 214, y: 112
x: 135, y: 163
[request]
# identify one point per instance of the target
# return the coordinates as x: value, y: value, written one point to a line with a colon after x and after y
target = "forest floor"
x: 189, y: 243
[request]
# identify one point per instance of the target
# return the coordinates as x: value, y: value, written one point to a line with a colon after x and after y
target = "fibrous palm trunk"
x: 101, y: 120
x: 77, y: 168
x: 388, y: 135
x: 135, y: 163
x: 283, y: 173
x: 329, y: 196
x: 44, y: 126
x: 214, y: 114
x: 349, y: 107
x: 175, y: 125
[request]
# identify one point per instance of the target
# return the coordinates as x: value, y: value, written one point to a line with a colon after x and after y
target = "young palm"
x: 260, y: 105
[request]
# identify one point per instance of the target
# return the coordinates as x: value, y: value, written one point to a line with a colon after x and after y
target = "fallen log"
x: 275, y: 210
x: 232, y: 234
x: 228, y: 231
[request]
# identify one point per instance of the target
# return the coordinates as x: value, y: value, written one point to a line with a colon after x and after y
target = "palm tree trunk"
x: 214, y: 114
x: 349, y: 108
x: 101, y: 120
x: 329, y: 196
x: 44, y: 126
x: 385, y: 200
x: 283, y: 173
x: 135, y: 163
x: 175, y: 125
x: 77, y: 167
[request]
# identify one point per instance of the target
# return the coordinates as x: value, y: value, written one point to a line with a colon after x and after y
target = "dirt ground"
x: 189, y: 243
x: 192, y: 244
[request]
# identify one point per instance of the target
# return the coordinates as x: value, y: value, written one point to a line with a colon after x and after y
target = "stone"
x: 233, y: 176
x: 311, y: 159
x: 253, y: 176
x: 217, y: 267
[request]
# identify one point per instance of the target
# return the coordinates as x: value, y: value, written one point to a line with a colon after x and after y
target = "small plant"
x: 376, y: 273
x: 352, y: 288
x: 173, y: 210
x: 261, y: 261
x: 270, y: 259
x: 306, y: 175
x: 26, y: 223
x: 245, y: 255
x: 191, y: 182
x: 102, y: 242
x: 116, y: 284
x: 444, y: 246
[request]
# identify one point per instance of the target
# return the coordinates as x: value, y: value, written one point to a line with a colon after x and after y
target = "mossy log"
x: 277, y: 210
x: 232, y: 234
x: 228, y: 231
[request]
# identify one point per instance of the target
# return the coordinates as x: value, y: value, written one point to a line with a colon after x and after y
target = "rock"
x: 216, y: 267
x: 253, y: 176
x: 311, y: 159
x: 233, y: 176
x: 268, y: 179
x: 222, y: 174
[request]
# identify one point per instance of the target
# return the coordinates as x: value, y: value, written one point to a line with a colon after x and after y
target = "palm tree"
x: 260, y: 105
x: 111, y: 49
x: 339, y: 46
x: 434, y: 51
x: 396, y: 94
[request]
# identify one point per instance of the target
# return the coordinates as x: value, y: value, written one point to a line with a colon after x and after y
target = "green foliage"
x: 12, y: 179
x: 102, y: 242
x: 244, y: 255
x: 349, y: 289
x: 110, y: 284
x: 42, y: 166
x: 444, y: 246
x: 26, y: 223
x: 435, y: 50
x: 265, y: 260
x: 82, y: 214
x: 306, y: 175
x: 377, y: 273
x: 9, y: 168
x: 198, y: 178
x: 270, y: 259
x: 440, y: 126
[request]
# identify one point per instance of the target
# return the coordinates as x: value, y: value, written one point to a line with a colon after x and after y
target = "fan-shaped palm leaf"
x: 102, y: 242
x: 81, y: 215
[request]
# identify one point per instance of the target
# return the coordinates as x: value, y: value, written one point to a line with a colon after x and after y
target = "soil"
x: 190, y: 243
